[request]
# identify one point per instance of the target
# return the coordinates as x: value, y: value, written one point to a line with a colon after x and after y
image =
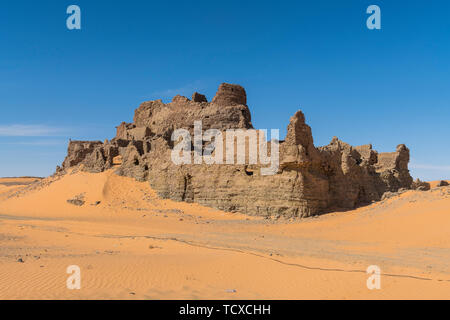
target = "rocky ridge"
x: 309, y: 181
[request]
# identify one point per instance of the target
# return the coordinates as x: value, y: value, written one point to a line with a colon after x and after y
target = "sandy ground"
x: 129, y: 244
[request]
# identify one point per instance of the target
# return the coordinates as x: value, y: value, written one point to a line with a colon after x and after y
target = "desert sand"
x: 130, y: 244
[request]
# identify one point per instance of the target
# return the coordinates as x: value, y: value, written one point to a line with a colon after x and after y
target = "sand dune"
x: 130, y: 244
x: 434, y: 184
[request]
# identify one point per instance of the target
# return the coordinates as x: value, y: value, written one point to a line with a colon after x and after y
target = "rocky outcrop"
x: 197, y: 97
x: 78, y: 151
x: 308, y: 180
x: 229, y: 95
x: 442, y: 183
x: 420, y: 185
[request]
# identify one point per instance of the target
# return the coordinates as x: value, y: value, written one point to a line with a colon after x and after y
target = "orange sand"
x: 134, y: 245
x: 433, y: 184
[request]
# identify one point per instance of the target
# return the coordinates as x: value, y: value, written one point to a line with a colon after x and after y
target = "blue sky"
x: 383, y: 87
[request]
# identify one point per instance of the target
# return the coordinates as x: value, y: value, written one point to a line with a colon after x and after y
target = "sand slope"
x: 130, y: 244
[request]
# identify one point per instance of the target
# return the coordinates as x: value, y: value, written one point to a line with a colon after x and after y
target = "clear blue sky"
x: 383, y: 87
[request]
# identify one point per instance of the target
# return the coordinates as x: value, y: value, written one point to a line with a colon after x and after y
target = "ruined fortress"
x: 310, y: 180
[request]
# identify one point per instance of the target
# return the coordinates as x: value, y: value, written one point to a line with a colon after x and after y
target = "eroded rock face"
x: 162, y: 119
x: 78, y: 151
x: 230, y: 94
x: 442, y: 183
x: 360, y: 175
x: 309, y: 180
x: 197, y: 97
x: 420, y: 185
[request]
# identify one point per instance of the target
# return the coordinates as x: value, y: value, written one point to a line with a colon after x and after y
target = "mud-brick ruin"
x: 310, y: 180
